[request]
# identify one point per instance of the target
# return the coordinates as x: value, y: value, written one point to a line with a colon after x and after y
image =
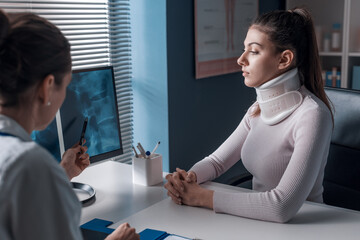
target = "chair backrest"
x: 342, y: 172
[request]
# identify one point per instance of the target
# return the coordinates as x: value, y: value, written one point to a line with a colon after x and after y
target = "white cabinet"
x: 326, y: 15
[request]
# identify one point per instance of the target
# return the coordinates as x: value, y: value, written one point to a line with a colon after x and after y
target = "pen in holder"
x: 147, y: 171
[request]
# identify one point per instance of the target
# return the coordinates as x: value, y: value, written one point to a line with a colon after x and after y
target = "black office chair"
x: 342, y: 172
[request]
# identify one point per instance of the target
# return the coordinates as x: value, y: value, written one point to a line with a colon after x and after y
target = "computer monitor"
x: 49, y: 139
x: 90, y: 94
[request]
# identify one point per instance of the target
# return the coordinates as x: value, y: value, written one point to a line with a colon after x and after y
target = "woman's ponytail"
x: 311, y: 66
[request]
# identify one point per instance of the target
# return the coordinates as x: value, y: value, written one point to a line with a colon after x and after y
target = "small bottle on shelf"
x: 326, y: 45
x: 323, y: 76
x: 333, y: 77
x: 335, y: 37
x: 318, y: 34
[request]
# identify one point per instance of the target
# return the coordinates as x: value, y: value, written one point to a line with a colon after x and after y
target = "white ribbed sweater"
x: 287, y: 161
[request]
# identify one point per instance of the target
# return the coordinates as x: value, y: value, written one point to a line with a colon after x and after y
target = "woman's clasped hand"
x: 183, y: 188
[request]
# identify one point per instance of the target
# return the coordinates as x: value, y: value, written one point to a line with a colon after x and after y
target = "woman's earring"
x: 48, y: 103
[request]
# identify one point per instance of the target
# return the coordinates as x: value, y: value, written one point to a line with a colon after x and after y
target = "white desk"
x: 116, y: 196
x: 146, y: 207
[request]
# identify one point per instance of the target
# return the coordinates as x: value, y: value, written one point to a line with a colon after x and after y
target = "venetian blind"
x: 99, y: 34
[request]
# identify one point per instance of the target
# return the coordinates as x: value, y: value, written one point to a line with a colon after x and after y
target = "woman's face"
x: 259, y: 62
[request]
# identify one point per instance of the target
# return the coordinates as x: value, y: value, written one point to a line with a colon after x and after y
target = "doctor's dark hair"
x: 294, y: 30
x: 31, y: 48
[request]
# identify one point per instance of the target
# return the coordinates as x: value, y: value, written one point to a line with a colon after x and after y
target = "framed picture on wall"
x: 220, y: 31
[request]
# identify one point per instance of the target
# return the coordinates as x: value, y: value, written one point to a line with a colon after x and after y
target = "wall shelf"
x: 344, y: 12
x: 330, y: 54
x: 354, y: 54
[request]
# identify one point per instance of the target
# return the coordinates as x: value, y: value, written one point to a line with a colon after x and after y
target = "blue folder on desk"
x: 97, y: 229
x: 152, y: 234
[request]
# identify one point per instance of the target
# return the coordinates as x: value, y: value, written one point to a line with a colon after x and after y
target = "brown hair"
x: 294, y: 30
x: 30, y: 49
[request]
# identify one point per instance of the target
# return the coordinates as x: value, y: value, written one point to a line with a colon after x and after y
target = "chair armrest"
x: 237, y: 180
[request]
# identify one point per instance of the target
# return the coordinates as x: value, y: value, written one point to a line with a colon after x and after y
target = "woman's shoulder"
x: 312, y: 110
x: 251, y: 113
x: 25, y: 164
x: 311, y: 103
x: 23, y: 156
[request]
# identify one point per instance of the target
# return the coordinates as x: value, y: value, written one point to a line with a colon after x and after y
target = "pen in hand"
x: 82, y: 135
x: 83, y: 132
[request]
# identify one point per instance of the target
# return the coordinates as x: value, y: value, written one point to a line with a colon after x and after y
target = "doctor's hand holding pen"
x: 75, y: 160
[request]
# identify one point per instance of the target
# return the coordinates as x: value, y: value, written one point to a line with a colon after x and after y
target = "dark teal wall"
x: 202, y: 112
x: 269, y: 5
x: 191, y: 117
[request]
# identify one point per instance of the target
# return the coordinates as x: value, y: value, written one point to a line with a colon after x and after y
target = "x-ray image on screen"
x: 48, y: 138
x: 92, y: 94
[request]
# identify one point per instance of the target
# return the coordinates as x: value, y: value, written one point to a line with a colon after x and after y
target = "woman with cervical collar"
x: 284, y: 137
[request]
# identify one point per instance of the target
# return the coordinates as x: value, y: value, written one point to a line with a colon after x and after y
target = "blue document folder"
x: 152, y: 234
x: 97, y: 229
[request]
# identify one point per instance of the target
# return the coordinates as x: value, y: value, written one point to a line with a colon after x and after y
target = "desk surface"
x: 116, y: 196
x: 313, y: 221
x: 119, y: 200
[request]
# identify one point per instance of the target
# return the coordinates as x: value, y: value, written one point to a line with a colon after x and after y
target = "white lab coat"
x: 36, y: 197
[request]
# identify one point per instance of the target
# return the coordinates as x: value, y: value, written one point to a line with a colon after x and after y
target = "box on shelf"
x: 333, y: 78
x: 356, y: 78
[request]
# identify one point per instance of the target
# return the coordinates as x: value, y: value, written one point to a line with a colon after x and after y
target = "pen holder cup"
x: 147, y: 171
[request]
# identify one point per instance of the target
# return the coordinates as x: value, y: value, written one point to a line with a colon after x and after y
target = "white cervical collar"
x: 279, y: 97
